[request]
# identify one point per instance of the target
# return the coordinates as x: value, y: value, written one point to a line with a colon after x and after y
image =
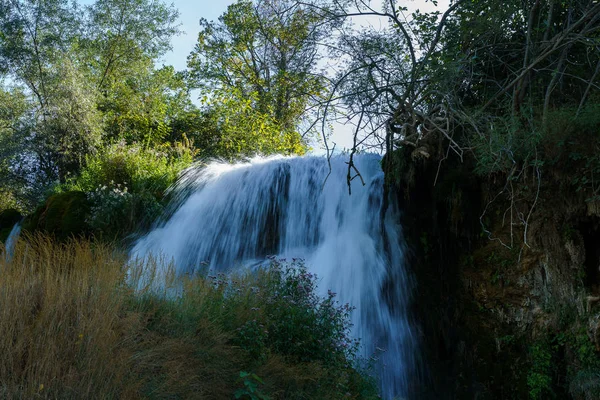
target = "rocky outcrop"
x: 508, y: 294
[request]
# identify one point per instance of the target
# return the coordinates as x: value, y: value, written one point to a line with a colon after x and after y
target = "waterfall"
x: 11, y: 240
x: 230, y: 216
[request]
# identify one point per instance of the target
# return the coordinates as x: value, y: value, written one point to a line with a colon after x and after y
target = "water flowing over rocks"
x: 234, y: 216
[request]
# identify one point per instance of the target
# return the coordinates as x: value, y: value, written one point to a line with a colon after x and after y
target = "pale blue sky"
x: 190, y: 12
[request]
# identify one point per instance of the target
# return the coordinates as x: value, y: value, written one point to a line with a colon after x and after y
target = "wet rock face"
x: 504, y: 313
x: 590, y: 231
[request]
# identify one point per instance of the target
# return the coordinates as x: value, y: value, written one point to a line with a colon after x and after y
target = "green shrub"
x: 569, y: 140
x: 115, y: 211
x: 77, y: 324
x: 126, y: 185
x: 539, y: 378
x: 140, y: 169
x: 278, y: 311
x: 251, y: 388
x: 507, y: 144
x: 585, y: 351
x: 300, y: 323
x: 284, y: 332
x: 62, y: 215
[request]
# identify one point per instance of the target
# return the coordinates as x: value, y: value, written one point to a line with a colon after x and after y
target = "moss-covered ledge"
x: 62, y: 215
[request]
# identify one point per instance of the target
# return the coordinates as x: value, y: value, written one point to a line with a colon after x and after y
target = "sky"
x: 190, y: 11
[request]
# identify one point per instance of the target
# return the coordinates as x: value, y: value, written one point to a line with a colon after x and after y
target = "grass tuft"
x: 75, y: 323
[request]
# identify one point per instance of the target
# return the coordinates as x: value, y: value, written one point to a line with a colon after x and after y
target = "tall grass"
x: 61, y: 328
x: 74, y: 324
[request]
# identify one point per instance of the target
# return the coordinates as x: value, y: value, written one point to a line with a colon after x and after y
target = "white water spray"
x: 11, y: 240
x: 236, y: 215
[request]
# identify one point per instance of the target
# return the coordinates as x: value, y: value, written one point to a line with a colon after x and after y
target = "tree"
x: 13, y: 127
x: 458, y: 76
x: 33, y: 35
x: 236, y: 128
x: 145, y: 105
x: 482, y: 80
x: 267, y: 52
x: 71, y: 127
x: 36, y: 48
x: 73, y: 67
x: 121, y: 34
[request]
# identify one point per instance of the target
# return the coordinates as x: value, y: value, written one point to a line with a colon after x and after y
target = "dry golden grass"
x: 61, y: 334
x: 73, y: 327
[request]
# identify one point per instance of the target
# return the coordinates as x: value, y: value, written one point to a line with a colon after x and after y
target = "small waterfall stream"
x: 11, y: 240
x: 236, y: 215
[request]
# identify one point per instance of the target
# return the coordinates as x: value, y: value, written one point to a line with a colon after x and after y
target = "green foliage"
x: 68, y: 67
x: 502, y: 262
x: 301, y: 324
x: 122, y: 35
x: 547, y: 357
x: 32, y: 34
x: 147, y: 106
x: 116, y: 212
x: 493, y: 82
x: 578, y: 144
x: 539, y: 378
x: 75, y: 128
x: 506, y: 145
x: 266, y: 52
x: 571, y: 142
x: 139, y: 168
x: 532, y: 117
x: 287, y: 317
x: 507, y: 340
x: 270, y: 316
x: 62, y: 215
x: 585, y: 352
x: 240, y: 130
x: 126, y: 185
x: 252, y: 337
x: 36, y: 47
x: 583, y: 375
x: 251, y: 389
x: 13, y: 129
x: 85, y: 77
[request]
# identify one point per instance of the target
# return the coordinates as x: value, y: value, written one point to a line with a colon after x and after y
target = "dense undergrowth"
x: 121, y: 190
x: 75, y: 323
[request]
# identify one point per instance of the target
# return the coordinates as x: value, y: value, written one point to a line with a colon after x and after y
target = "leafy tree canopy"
x: 78, y: 77
x: 265, y: 52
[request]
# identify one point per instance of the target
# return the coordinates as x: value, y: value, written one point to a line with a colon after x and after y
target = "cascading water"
x: 236, y: 215
x: 11, y: 240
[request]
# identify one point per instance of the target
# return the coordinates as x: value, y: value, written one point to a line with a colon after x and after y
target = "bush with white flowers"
x: 110, y: 204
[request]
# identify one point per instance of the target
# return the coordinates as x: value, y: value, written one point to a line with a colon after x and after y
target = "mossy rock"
x: 8, y: 219
x: 63, y: 216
